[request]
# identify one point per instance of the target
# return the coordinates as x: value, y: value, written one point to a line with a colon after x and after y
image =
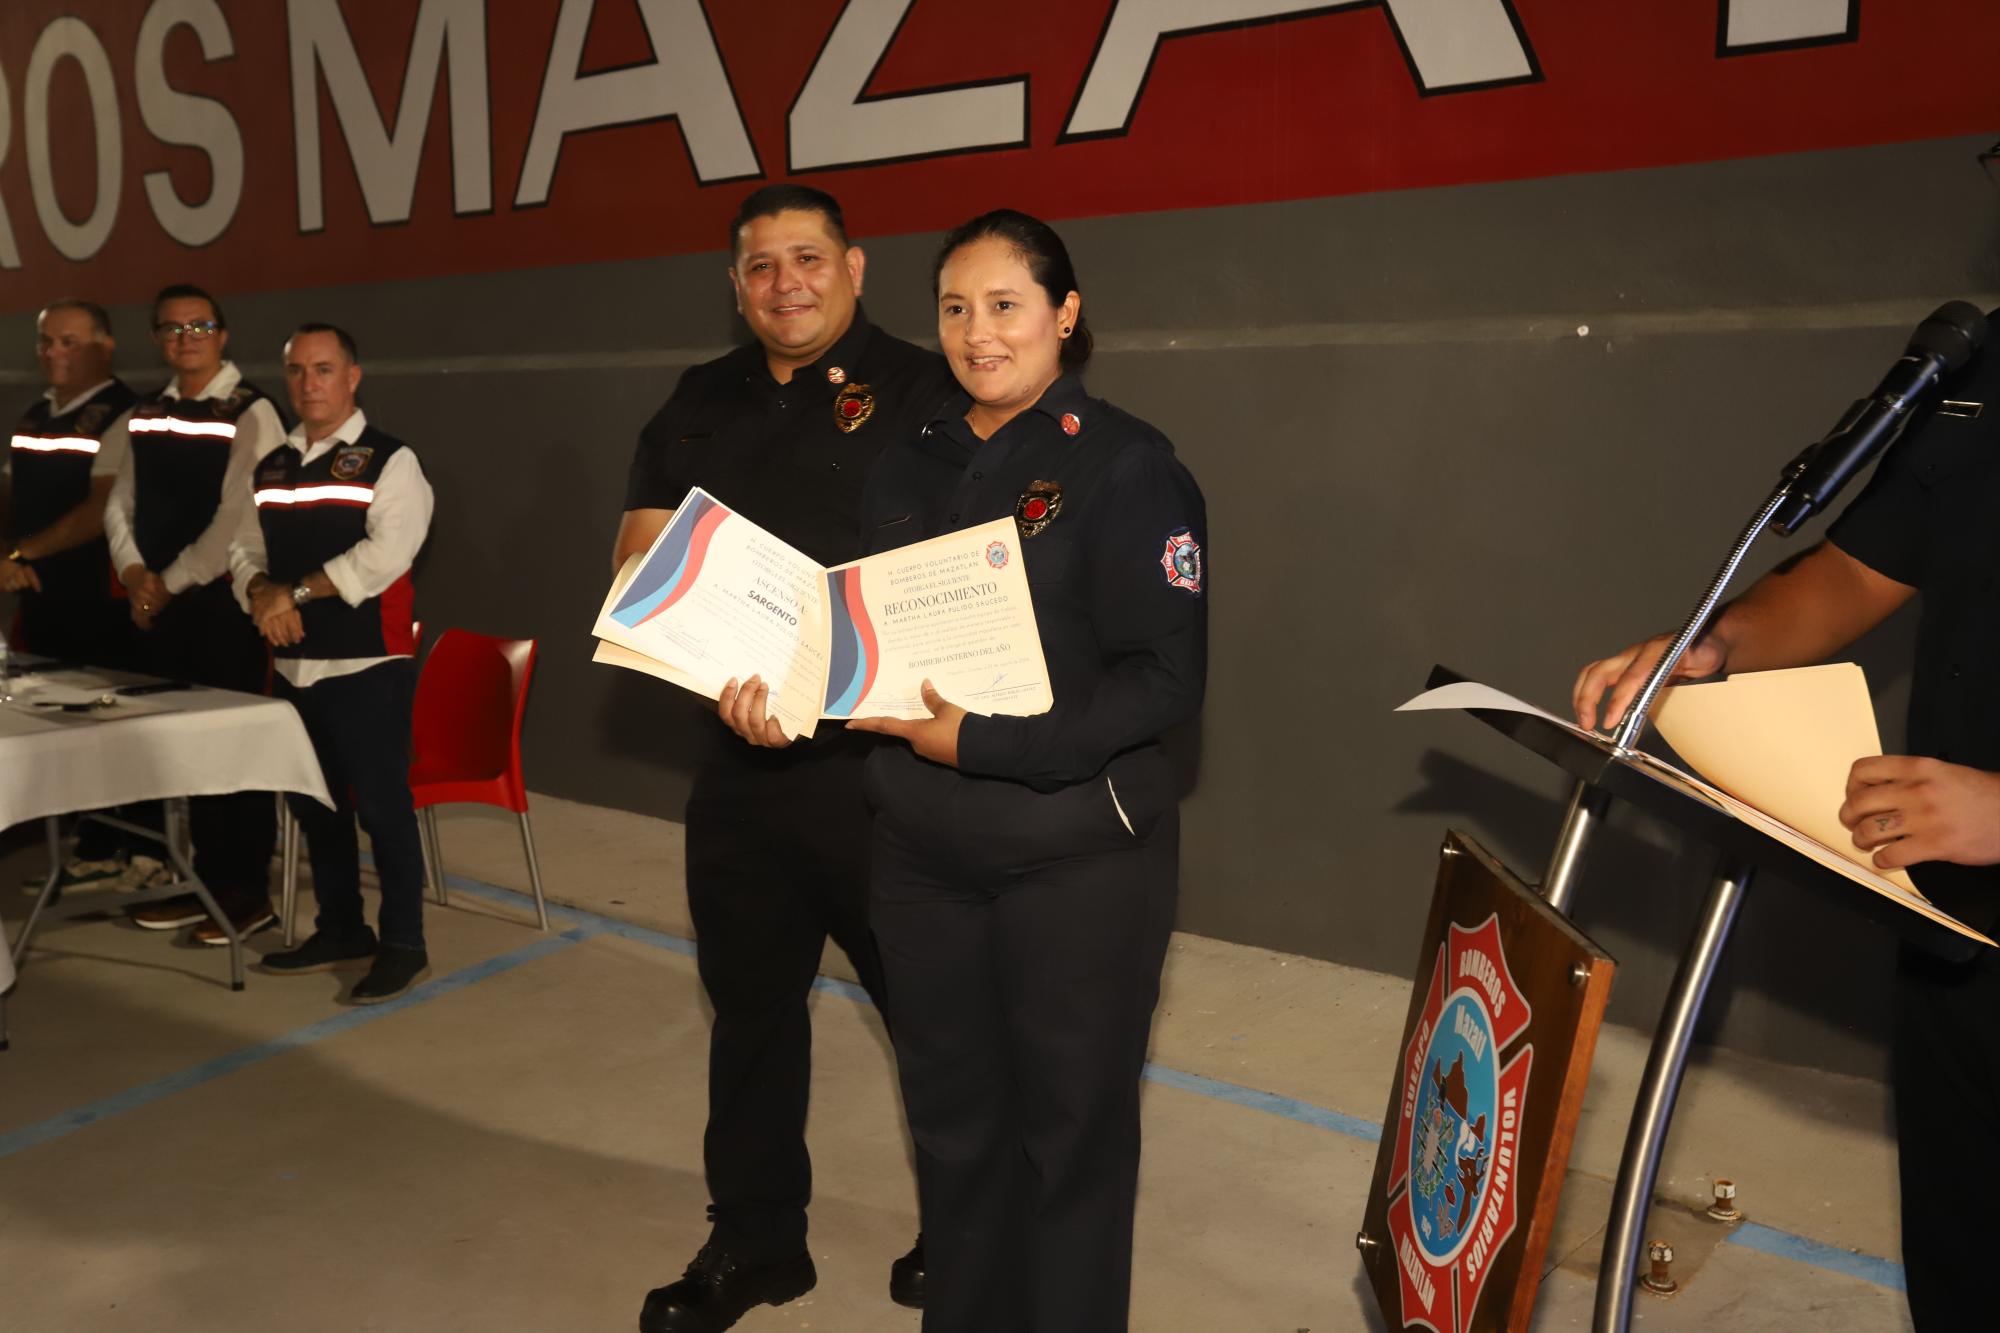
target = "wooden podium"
x: 1604, y: 773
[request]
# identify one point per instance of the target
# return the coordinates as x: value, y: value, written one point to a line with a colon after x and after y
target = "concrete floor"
x: 515, y: 1145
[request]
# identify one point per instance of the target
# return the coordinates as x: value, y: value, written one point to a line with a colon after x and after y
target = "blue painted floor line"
x: 585, y: 925
x: 131, y: 1099
x: 1867, y: 1267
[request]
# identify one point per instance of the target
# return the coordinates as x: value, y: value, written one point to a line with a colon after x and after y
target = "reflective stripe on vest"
x: 312, y: 496
x: 220, y: 430
x: 56, y: 444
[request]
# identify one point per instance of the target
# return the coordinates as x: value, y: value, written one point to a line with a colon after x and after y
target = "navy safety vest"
x: 50, y: 457
x: 310, y: 513
x: 180, y: 451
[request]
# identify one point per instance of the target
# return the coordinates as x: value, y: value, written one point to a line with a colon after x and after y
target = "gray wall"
x: 1411, y: 456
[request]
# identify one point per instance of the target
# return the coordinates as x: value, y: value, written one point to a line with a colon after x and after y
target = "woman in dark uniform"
x: 1025, y: 867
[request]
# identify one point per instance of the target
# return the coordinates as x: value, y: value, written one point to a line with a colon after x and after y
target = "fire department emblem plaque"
x: 1488, y: 1084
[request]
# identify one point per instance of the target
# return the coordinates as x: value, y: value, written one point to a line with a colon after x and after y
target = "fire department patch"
x: 1182, y: 561
x: 351, y: 461
x: 1459, y: 1131
x: 1037, y: 507
x: 93, y: 419
x: 852, y: 407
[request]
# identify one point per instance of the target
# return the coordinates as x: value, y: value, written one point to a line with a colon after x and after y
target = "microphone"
x: 1942, y: 343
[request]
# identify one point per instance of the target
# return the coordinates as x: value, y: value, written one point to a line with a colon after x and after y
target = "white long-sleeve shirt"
x: 206, y: 559
x: 399, y: 518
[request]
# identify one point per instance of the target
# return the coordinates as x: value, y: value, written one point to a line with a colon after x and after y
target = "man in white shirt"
x: 178, y: 499
x: 322, y: 563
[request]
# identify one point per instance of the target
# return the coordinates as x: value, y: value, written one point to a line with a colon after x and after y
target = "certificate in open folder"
x: 718, y: 598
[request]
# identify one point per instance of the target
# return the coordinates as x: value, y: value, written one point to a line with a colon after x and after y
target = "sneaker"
x: 169, y: 913
x: 322, y: 952
x: 393, y: 972
x: 247, y: 919
x: 906, y: 1277
x: 717, y: 1290
x: 75, y: 874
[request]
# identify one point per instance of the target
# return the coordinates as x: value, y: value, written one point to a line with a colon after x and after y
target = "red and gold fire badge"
x: 1182, y: 561
x: 1070, y: 423
x: 1451, y: 1185
x: 852, y: 407
x: 1037, y: 507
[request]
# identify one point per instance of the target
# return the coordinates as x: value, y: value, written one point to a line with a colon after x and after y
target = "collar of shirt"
x: 845, y: 354
x: 225, y: 381
x: 59, y: 409
x: 349, y: 431
x: 1063, y: 398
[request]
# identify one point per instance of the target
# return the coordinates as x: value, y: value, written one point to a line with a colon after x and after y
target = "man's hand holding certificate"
x: 716, y: 598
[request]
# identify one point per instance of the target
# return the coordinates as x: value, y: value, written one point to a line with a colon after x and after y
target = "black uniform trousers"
x: 1022, y: 942
x: 203, y: 638
x: 1947, y: 1085
x: 359, y: 724
x: 777, y: 861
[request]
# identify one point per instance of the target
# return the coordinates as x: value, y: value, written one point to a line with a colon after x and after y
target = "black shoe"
x: 906, y: 1277
x: 716, y: 1291
x: 323, y: 952
x: 393, y: 972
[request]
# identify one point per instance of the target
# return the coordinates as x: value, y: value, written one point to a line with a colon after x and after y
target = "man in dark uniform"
x: 323, y: 566
x: 54, y: 479
x: 783, y: 431
x: 172, y: 512
x: 1924, y: 526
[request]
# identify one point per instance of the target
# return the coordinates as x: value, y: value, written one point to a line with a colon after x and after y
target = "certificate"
x: 716, y: 597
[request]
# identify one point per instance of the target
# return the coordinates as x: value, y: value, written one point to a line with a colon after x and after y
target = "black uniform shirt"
x: 1113, y: 536
x: 1930, y: 518
x: 777, y: 453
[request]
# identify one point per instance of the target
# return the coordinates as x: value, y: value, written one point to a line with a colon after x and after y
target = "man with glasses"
x: 54, y: 478
x: 180, y: 497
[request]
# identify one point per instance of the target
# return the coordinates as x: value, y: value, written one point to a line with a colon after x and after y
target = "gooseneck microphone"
x: 1942, y: 344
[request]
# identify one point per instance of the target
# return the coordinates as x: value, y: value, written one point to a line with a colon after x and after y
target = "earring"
x: 1065, y: 332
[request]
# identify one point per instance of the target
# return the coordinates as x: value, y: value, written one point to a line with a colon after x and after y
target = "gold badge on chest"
x: 852, y: 407
x: 1037, y: 507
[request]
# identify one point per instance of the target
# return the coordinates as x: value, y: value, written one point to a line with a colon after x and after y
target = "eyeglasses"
x: 201, y: 328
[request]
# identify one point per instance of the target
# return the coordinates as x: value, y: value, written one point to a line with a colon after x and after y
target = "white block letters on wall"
x: 833, y: 124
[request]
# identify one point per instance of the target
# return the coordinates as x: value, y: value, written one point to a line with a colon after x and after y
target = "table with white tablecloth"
x: 70, y: 741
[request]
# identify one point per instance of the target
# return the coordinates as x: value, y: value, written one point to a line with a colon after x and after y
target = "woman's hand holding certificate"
x: 717, y: 600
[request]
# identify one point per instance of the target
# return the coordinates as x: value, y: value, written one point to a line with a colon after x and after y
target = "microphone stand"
x: 1666, y: 1062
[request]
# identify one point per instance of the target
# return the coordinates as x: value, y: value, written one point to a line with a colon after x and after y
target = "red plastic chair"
x: 465, y: 741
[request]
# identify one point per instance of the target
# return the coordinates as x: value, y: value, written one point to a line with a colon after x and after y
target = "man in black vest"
x: 180, y: 496
x: 323, y: 565
x: 54, y: 479
x: 784, y: 431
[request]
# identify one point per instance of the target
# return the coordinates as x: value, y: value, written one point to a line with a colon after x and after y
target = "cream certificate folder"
x: 1778, y: 750
x: 716, y: 597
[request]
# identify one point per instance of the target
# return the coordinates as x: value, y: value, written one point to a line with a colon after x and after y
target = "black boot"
x: 906, y: 1277
x: 716, y: 1291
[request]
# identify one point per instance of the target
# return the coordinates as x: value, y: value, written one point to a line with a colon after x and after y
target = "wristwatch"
x: 301, y: 594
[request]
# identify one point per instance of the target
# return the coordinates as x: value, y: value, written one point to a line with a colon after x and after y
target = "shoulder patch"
x: 1181, y: 561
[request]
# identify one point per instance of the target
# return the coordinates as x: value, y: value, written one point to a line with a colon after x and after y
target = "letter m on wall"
x: 386, y: 155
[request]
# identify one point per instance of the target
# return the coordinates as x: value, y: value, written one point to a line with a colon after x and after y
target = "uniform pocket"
x: 1048, y: 558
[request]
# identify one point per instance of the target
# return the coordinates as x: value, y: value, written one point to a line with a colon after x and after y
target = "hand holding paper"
x: 1907, y: 809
